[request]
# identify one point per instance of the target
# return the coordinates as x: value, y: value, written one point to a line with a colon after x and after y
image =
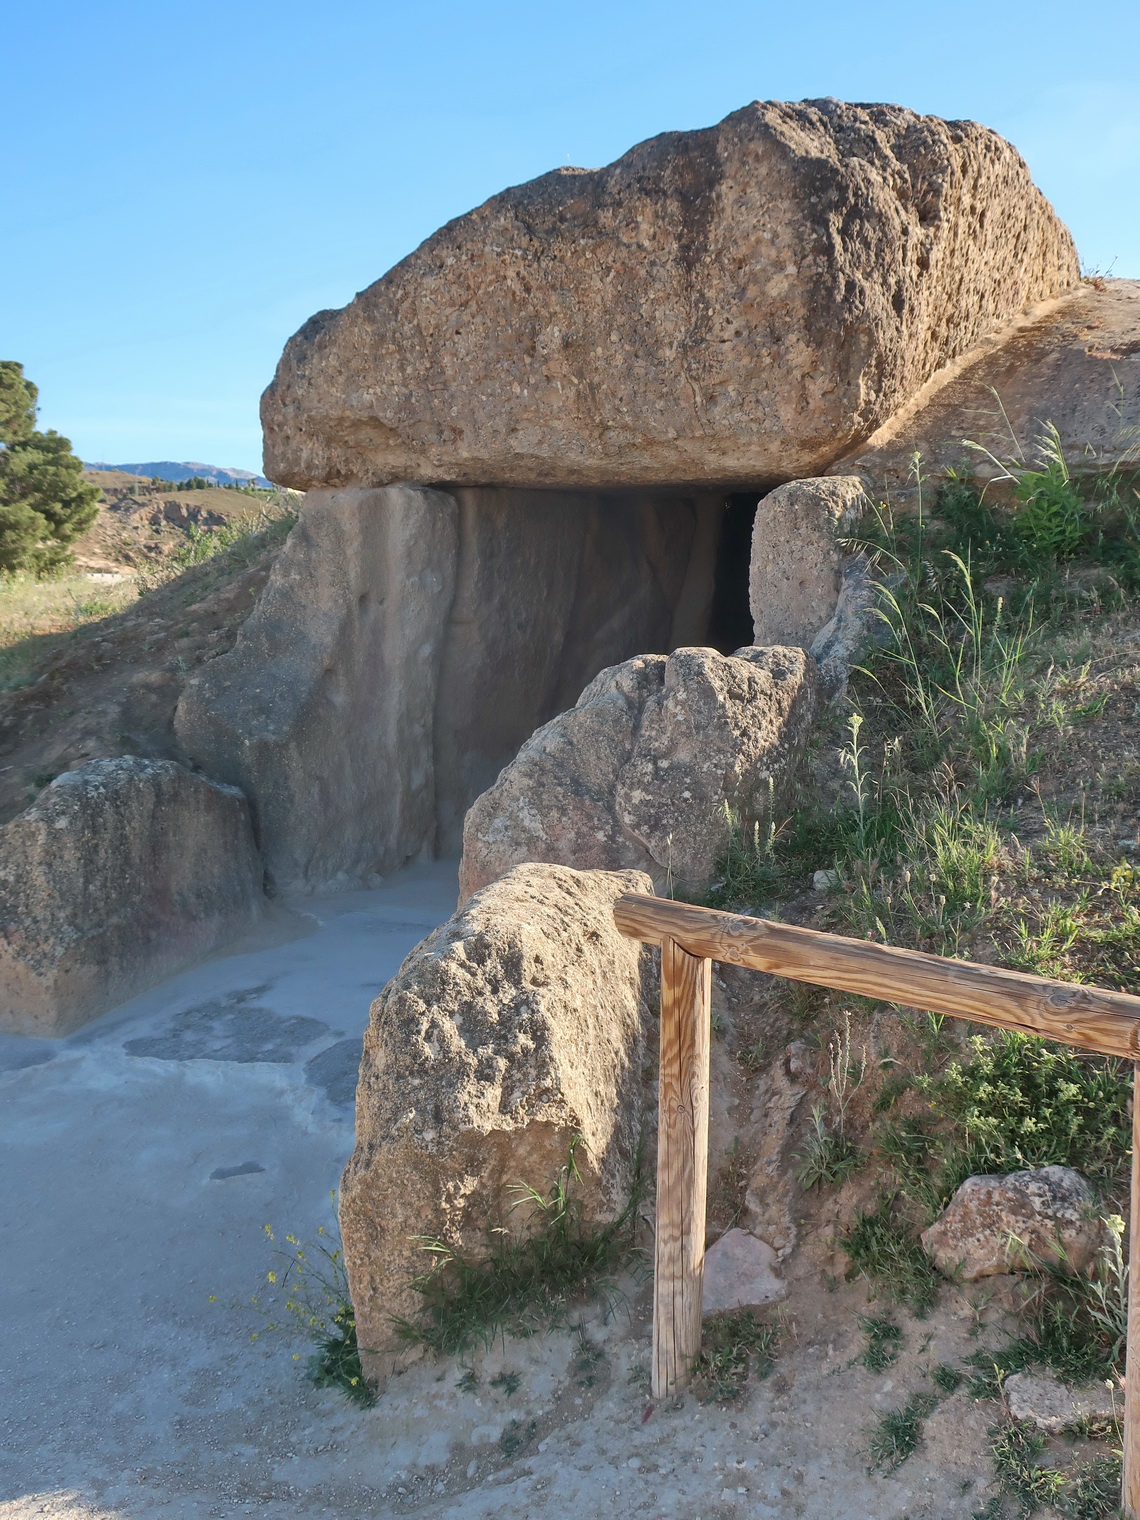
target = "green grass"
x: 898, y: 1433
x: 521, y: 1286
x: 737, y: 1347
x: 827, y: 1156
x: 882, y: 1247
x: 884, y: 1342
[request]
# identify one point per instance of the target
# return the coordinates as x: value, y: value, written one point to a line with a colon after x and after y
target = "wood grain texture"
x: 682, y: 1166
x: 1130, y: 1498
x: 1108, y: 1022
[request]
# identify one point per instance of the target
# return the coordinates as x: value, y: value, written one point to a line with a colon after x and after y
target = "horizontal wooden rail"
x: 1108, y: 1022
x: 691, y: 939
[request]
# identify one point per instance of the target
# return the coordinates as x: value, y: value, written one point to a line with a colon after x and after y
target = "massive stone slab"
x: 643, y: 770
x: 517, y: 1026
x: 119, y: 874
x: 323, y: 712
x: 743, y: 303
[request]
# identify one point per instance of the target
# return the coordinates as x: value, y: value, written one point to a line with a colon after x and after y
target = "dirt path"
x: 141, y: 1159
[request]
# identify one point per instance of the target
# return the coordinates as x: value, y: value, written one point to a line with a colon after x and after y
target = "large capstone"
x: 513, y: 1030
x: 119, y: 874
x: 741, y: 304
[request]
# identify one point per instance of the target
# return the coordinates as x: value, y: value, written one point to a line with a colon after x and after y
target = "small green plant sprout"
x: 884, y: 1342
x: 737, y: 1346
x: 828, y: 1155
x: 506, y: 1382
x: 313, y: 1285
x: 897, y: 1435
x: 946, y: 1379
x: 515, y: 1436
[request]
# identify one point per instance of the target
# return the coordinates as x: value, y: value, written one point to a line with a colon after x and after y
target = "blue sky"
x: 186, y: 183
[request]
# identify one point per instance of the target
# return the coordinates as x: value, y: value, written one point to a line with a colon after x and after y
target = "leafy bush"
x: 1023, y: 1102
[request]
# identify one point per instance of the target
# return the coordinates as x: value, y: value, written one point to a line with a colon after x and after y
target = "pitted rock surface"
x: 1044, y: 1217
x: 119, y: 874
x: 516, y: 1026
x: 740, y: 304
x: 641, y: 771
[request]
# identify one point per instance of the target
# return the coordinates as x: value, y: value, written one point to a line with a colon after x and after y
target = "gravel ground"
x: 141, y: 1160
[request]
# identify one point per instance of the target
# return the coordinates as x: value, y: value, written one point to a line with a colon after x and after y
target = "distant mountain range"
x: 168, y: 469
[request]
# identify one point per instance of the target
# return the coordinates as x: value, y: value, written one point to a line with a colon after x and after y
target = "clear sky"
x: 185, y: 183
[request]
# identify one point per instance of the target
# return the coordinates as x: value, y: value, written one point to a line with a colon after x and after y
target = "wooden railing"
x: 691, y: 939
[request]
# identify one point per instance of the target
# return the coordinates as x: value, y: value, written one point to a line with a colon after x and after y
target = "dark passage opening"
x: 730, y: 619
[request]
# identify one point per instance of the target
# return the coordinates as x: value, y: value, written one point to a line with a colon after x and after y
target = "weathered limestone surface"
x: 639, y: 772
x: 1041, y: 1399
x: 516, y: 1026
x: 1075, y: 364
x: 744, y: 303
x: 551, y: 587
x: 119, y: 874
x: 323, y: 712
x: 796, y: 570
x: 1046, y: 1216
x: 409, y: 640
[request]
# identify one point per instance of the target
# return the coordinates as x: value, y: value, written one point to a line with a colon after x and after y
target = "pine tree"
x: 45, y: 502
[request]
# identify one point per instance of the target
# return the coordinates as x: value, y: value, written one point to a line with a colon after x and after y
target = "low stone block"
x: 119, y: 874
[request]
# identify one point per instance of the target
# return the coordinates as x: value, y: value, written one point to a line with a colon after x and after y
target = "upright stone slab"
x: 516, y: 1027
x: 119, y: 874
x: 323, y: 711
x: 796, y: 569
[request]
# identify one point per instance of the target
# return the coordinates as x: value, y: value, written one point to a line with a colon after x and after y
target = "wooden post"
x: 1131, y: 1495
x: 682, y: 1165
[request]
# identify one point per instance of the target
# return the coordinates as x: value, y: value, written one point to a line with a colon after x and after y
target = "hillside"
x: 172, y: 470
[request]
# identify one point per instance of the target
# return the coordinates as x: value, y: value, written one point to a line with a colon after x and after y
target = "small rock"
x: 1014, y: 1223
x: 1043, y: 1400
x: 823, y: 881
x: 739, y: 1273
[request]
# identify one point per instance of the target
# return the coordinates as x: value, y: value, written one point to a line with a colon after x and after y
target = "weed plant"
x: 521, y: 1286
x: 736, y: 1347
x: 898, y: 1433
x: 881, y: 1247
x: 884, y: 1342
x: 312, y: 1284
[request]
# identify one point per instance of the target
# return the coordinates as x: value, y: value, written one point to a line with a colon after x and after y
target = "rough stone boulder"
x: 740, y: 304
x: 1022, y: 1220
x: 640, y: 773
x: 796, y: 570
x: 515, y: 1027
x: 120, y: 873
